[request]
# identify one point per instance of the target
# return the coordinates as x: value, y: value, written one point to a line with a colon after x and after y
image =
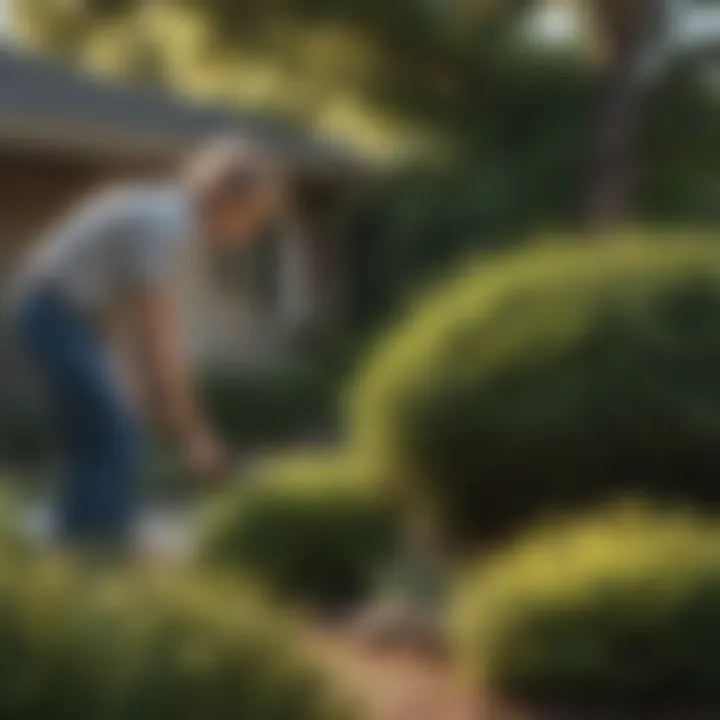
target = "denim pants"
x: 98, y: 435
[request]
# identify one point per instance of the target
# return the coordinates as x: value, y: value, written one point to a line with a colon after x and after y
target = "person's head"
x: 239, y: 190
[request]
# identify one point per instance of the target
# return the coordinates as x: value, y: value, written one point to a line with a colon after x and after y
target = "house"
x: 63, y: 133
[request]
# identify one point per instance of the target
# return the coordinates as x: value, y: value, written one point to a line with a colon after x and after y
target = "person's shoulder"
x: 96, y: 210
x: 159, y: 205
x: 110, y: 203
x: 145, y: 205
x: 140, y: 199
x: 144, y: 209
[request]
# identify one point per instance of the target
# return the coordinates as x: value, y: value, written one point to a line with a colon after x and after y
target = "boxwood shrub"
x: 75, y: 645
x: 313, y: 527
x: 617, y: 611
x: 552, y: 378
x: 620, y: 612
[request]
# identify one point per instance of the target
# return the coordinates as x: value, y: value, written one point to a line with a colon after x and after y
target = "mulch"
x: 394, y: 683
x: 402, y: 683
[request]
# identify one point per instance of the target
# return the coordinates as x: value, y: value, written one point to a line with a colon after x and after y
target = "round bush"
x: 78, y: 647
x: 313, y: 527
x: 620, y: 611
x: 551, y: 378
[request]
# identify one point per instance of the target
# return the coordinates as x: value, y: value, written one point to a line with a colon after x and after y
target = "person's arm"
x: 167, y: 379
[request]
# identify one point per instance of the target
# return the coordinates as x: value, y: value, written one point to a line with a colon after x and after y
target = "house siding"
x: 36, y: 189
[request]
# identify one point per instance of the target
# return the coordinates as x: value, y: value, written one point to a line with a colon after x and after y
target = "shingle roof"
x: 39, y: 95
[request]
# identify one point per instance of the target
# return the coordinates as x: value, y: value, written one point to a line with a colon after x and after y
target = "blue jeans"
x: 98, y: 433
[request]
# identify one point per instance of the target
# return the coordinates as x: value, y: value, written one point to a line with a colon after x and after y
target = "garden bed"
x: 394, y: 683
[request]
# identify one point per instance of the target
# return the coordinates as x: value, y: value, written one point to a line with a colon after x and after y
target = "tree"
x: 642, y: 42
x: 625, y: 30
x: 440, y: 64
x: 408, y: 58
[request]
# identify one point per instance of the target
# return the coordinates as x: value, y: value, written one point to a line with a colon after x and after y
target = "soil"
x: 394, y: 683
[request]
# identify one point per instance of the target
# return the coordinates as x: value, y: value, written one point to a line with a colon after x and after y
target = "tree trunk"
x: 614, y: 173
x: 627, y: 30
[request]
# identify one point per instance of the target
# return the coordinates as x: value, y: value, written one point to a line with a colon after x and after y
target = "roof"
x: 43, y: 101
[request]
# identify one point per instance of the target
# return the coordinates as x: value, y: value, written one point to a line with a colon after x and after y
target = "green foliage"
x: 166, y: 478
x: 418, y: 223
x: 83, y: 646
x: 11, y: 517
x: 269, y: 405
x: 520, y: 111
x: 389, y: 53
x: 24, y: 436
x: 551, y: 378
x: 622, y: 612
x: 680, y: 180
x: 514, y: 177
x: 314, y: 528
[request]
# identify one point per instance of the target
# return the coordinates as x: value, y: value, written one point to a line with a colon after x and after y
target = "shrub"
x: 25, y: 438
x: 12, y: 516
x: 621, y: 610
x: 270, y: 405
x: 312, y: 527
x: 166, y: 478
x: 83, y: 647
x: 552, y: 378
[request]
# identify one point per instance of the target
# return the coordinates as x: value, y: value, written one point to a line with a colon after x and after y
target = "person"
x: 109, y: 265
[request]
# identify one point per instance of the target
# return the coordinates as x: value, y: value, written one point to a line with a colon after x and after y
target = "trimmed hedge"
x: 621, y: 611
x: 312, y: 527
x: 76, y: 646
x: 553, y: 378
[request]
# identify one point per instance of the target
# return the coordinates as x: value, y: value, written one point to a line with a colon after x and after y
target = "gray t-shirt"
x: 110, y: 246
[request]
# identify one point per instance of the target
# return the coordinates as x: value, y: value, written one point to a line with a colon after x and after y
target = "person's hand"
x: 205, y: 455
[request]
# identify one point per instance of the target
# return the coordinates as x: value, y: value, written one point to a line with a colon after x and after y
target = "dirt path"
x: 396, y: 684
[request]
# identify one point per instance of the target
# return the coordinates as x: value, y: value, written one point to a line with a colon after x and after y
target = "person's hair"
x: 231, y: 167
